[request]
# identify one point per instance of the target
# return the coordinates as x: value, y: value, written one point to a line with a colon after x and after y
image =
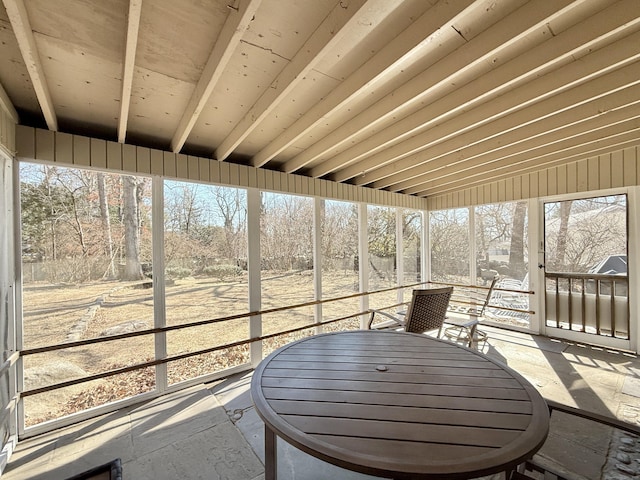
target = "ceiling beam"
x: 559, y: 49
x: 617, y: 121
x: 388, y: 62
x: 471, y: 60
x: 570, y: 107
x: 323, y: 40
x: 551, y: 159
x: 131, y: 42
x: 226, y: 44
x: 19, y: 19
x: 426, y: 146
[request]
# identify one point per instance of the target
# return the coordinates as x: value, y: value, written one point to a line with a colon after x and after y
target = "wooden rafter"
x: 384, y: 64
x: 319, y: 44
x: 595, y: 115
x: 535, y: 163
x: 236, y: 24
x: 19, y: 19
x: 530, y: 20
x: 583, y: 78
x: 588, y: 35
x: 133, y: 25
x: 515, y: 159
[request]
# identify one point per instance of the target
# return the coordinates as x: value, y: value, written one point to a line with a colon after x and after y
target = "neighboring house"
x: 611, y: 265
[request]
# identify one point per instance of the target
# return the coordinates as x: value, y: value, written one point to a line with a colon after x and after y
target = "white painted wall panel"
x: 67, y: 149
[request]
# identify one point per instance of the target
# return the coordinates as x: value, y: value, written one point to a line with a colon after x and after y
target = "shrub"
x: 178, y: 272
x: 222, y: 271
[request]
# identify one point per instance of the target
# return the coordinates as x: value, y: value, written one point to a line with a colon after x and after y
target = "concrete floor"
x: 213, y: 432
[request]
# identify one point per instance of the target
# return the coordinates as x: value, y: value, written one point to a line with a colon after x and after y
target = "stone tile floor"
x: 213, y: 432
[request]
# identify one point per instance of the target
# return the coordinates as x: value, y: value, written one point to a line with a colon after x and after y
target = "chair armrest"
x: 396, y: 320
x: 595, y: 417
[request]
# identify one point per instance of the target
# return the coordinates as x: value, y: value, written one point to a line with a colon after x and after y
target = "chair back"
x: 428, y: 309
x: 488, y: 297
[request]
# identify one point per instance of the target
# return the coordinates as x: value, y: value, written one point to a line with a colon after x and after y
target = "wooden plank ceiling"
x: 420, y: 97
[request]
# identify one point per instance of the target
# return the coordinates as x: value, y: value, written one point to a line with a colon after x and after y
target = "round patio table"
x: 397, y: 405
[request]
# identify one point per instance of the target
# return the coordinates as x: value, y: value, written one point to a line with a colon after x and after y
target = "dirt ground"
x: 55, y: 314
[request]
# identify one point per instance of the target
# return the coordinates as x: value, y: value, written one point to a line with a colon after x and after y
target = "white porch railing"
x: 589, y: 303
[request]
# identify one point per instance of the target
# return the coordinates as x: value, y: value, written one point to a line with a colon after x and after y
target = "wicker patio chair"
x: 426, y: 312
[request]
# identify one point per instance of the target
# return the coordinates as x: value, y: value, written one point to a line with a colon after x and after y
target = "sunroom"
x: 188, y: 186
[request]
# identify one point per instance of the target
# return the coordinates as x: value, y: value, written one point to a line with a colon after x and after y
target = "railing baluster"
x: 584, y: 307
x: 598, y: 284
x: 628, y: 319
x: 570, y: 307
x: 613, y: 308
x: 558, y: 302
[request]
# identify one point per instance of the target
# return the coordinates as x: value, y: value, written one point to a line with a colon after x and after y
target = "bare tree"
x: 130, y: 199
x: 286, y: 227
x: 450, y: 244
x: 339, y: 235
x: 232, y: 206
x: 106, y: 224
x: 561, y: 241
x: 516, y: 249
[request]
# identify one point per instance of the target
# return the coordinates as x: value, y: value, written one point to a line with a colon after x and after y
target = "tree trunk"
x: 132, y: 267
x: 78, y: 226
x: 106, y: 224
x: 516, y: 251
x: 52, y: 216
x: 561, y: 246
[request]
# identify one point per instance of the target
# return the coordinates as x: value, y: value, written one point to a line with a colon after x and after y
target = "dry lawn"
x: 53, y: 311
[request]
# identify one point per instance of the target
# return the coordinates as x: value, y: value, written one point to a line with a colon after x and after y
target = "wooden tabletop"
x: 399, y: 405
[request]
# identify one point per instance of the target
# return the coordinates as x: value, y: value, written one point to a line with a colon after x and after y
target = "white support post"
x: 19, y: 319
x: 399, y: 255
x: 318, y: 214
x: 633, y: 270
x: 10, y: 216
x: 425, y: 249
x: 473, y: 261
x: 363, y: 260
x: 536, y: 257
x: 253, y: 266
x: 159, y: 304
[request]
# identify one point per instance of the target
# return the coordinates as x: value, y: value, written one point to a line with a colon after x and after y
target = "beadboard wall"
x: 74, y: 150
x: 620, y: 168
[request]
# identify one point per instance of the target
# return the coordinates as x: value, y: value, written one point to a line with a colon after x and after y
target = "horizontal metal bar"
x: 169, y: 328
x: 152, y: 363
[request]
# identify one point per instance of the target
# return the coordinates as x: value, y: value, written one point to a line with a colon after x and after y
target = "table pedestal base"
x: 270, y: 455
